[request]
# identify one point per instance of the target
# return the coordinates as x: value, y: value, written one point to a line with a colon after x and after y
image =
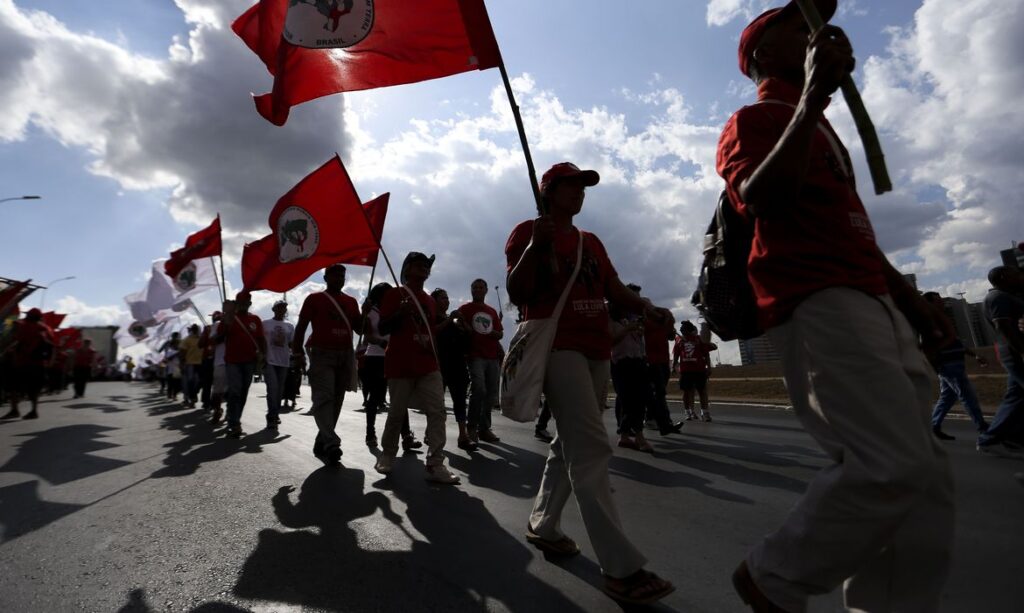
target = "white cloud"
x: 81, y: 314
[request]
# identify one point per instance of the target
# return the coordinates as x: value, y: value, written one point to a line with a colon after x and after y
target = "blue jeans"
x: 953, y: 385
x: 190, y: 381
x: 274, y: 376
x: 239, y: 379
x: 484, y: 376
x: 1008, y: 424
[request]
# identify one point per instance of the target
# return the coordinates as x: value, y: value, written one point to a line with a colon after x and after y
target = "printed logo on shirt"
x: 861, y: 223
x: 483, y: 323
x: 590, y: 306
x: 328, y: 24
x: 297, y: 235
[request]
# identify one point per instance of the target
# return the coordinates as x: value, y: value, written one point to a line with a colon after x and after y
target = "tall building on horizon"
x: 758, y: 351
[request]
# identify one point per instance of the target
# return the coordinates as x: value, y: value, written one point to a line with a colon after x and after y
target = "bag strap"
x: 247, y: 333
x: 832, y: 141
x: 430, y: 326
x: 572, y: 278
x: 351, y: 332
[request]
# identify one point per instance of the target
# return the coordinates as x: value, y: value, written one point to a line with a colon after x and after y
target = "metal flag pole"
x: 220, y: 290
x: 223, y: 279
x: 501, y: 310
x: 522, y: 136
x: 866, y: 129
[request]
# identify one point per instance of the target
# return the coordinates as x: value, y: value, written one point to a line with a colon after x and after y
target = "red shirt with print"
x: 583, y: 325
x: 483, y: 320
x: 329, y: 328
x: 692, y: 353
x: 30, y: 336
x: 410, y: 352
x: 240, y: 347
x: 823, y: 238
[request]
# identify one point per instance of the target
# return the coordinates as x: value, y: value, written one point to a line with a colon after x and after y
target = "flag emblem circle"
x: 186, y: 279
x: 137, y: 330
x: 297, y: 235
x: 328, y: 24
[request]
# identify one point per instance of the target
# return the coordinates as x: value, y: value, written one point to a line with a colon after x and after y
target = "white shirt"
x: 279, y: 336
x: 219, y: 348
x: 371, y: 349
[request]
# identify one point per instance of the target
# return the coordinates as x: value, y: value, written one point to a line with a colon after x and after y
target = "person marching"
x: 541, y: 256
x: 484, y: 367
x: 244, y: 346
x: 877, y: 520
x: 334, y: 316
x: 84, y: 360
x: 692, y: 360
x: 408, y: 314
x: 32, y: 347
x: 452, y: 346
x: 279, y: 334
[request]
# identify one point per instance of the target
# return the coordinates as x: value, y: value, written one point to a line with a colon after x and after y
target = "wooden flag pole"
x: 866, y: 129
x: 522, y: 137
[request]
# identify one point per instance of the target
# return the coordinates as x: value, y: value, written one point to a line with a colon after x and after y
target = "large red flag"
x: 203, y: 244
x: 53, y: 319
x: 9, y: 298
x: 319, y: 47
x: 318, y: 223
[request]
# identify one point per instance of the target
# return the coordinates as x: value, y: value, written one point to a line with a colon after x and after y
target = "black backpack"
x: 724, y: 296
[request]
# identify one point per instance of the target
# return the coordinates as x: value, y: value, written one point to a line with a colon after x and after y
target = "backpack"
x: 724, y: 296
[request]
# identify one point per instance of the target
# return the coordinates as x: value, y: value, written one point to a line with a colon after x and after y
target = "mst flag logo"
x: 328, y: 24
x: 137, y: 330
x: 297, y: 235
x: 186, y: 279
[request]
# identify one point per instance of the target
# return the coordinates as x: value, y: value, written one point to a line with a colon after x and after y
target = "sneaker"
x: 31, y: 415
x: 1002, y: 449
x: 465, y: 443
x: 409, y: 443
x: 471, y: 434
x: 543, y: 435
x: 441, y: 474
x: 705, y: 416
x: 383, y: 465
x: 234, y: 432
x: 671, y: 428
x: 942, y: 436
x: 12, y: 414
x: 488, y: 436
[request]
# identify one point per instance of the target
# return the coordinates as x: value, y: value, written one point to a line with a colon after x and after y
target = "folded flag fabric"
x: 203, y: 244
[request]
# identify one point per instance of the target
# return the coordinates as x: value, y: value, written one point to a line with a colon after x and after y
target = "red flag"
x: 332, y: 46
x: 10, y: 296
x: 203, y: 244
x: 54, y: 320
x: 318, y: 223
x: 68, y: 338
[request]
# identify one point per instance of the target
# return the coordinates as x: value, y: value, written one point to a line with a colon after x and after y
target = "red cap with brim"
x: 752, y: 34
x: 564, y: 170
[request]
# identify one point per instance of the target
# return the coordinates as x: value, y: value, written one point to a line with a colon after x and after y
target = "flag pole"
x: 501, y: 310
x: 522, y: 136
x: 202, y: 319
x: 220, y: 291
x: 223, y: 279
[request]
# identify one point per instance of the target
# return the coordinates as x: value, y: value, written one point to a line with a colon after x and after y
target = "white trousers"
x: 879, y: 518
x: 578, y: 462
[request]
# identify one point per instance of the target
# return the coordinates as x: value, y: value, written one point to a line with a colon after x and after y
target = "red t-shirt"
x: 823, y: 239
x: 656, y: 343
x: 29, y: 336
x: 240, y: 347
x: 692, y: 353
x: 410, y: 352
x: 329, y: 329
x: 483, y: 320
x: 583, y: 325
x: 85, y: 357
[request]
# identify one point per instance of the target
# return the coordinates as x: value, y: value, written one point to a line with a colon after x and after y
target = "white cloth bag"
x: 522, y: 372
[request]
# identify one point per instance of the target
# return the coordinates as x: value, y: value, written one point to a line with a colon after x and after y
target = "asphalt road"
x: 122, y: 501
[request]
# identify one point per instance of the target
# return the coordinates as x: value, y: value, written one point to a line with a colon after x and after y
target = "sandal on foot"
x: 564, y: 546
x: 642, y: 587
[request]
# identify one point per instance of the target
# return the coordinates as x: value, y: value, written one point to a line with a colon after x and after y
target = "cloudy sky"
x: 133, y: 120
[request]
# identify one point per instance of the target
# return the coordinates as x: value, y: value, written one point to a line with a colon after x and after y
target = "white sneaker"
x: 441, y: 474
x: 383, y: 465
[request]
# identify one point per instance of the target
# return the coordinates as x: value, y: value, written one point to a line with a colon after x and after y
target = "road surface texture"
x: 123, y: 501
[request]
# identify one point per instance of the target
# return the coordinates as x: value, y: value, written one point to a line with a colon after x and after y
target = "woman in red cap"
x: 541, y: 256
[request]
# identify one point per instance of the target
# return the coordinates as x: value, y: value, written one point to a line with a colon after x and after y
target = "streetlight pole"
x: 20, y: 198
x: 42, y: 297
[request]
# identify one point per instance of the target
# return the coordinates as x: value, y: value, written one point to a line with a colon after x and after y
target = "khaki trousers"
x: 329, y: 373
x: 427, y: 394
x: 879, y: 518
x: 578, y: 462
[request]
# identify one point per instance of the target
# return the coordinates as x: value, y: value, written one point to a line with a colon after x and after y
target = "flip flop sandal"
x: 564, y: 546
x: 638, y: 588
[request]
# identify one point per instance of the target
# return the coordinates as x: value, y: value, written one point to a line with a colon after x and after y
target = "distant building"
x: 102, y: 338
x: 757, y: 351
x: 911, y: 278
x: 1013, y: 257
x: 970, y: 323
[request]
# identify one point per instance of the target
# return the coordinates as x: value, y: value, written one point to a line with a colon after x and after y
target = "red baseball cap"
x: 568, y: 169
x: 752, y: 34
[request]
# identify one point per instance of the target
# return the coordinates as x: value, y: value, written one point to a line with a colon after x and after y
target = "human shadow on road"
x: 22, y: 511
x: 515, y: 472
x: 199, y: 444
x: 642, y: 472
x: 106, y: 408
x: 137, y: 603
x: 748, y: 450
x: 63, y: 454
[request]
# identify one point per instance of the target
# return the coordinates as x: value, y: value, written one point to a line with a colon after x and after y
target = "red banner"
x: 203, y: 244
